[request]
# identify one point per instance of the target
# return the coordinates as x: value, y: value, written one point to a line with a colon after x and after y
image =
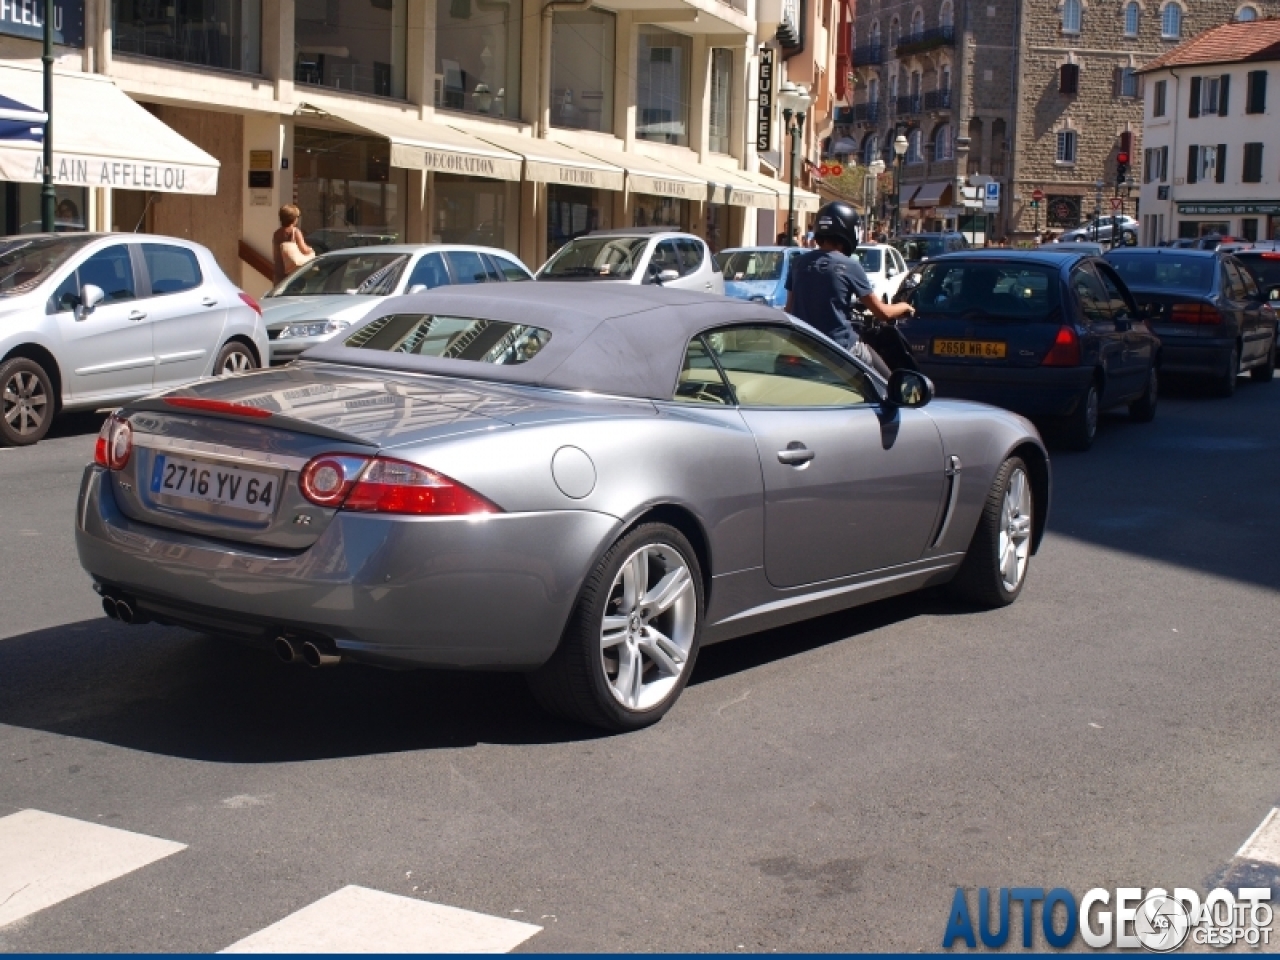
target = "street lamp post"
x: 899, y: 151
x: 795, y: 101
x: 48, y: 200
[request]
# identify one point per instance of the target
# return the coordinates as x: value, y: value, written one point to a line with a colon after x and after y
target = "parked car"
x: 919, y: 247
x: 1054, y: 336
x: 90, y: 320
x: 639, y: 255
x: 1100, y: 230
x: 1262, y: 260
x: 589, y: 464
x: 884, y: 266
x: 757, y: 274
x: 336, y: 289
x: 1078, y: 246
x: 1208, y: 311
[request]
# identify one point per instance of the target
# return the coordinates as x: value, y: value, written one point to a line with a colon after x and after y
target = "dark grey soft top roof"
x: 616, y: 338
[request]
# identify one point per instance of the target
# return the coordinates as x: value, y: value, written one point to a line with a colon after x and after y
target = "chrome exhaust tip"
x: 125, y: 611
x: 110, y: 608
x: 286, y: 651
x: 316, y: 657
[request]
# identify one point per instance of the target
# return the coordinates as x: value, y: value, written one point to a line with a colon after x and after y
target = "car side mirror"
x: 665, y: 276
x: 417, y: 288
x: 908, y: 388
x: 90, y: 296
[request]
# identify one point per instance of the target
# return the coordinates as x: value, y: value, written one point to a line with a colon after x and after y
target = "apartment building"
x: 516, y: 123
x: 1211, y: 136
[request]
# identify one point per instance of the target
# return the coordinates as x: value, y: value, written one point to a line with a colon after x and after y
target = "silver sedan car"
x: 587, y: 492
x: 638, y: 255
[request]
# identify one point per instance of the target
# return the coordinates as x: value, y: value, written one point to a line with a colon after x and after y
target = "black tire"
x: 1264, y: 372
x: 28, y: 402
x: 574, y: 683
x: 980, y: 580
x: 1225, y: 384
x: 234, y: 357
x: 1080, y: 428
x: 1143, y: 410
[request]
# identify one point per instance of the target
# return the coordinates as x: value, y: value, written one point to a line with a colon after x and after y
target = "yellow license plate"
x: 981, y: 349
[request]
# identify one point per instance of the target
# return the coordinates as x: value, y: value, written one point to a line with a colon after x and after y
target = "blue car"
x: 757, y: 274
x: 1057, y: 337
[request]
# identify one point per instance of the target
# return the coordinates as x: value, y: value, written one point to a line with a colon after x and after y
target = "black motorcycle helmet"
x: 839, y: 222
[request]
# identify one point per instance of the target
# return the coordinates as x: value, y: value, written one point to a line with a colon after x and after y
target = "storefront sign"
x: 642, y: 183
x: 1229, y: 206
x: 764, y: 108
x: 450, y: 161
x: 89, y: 171
x: 547, y: 171
x: 25, y: 18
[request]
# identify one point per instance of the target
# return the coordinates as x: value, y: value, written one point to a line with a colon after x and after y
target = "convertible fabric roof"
x: 614, y: 339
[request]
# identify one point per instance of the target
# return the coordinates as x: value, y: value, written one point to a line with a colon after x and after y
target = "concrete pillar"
x: 277, y: 46
x: 419, y: 74
x: 415, y: 208
x: 532, y: 247
x: 699, y: 96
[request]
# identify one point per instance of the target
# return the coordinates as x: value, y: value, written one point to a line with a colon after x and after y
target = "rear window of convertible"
x: 451, y: 338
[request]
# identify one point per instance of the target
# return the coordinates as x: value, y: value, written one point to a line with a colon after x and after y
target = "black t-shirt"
x: 824, y: 282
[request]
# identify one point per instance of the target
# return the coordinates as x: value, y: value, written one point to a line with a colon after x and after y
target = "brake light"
x: 1065, y: 351
x: 1271, y: 256
x: 383, y: 485
x: 250, y: 302
x: 1194, y: 313
x: 217, y: 406
x: 115, y: 444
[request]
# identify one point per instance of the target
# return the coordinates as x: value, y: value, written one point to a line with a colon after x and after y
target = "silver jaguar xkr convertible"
x: 586, y: 491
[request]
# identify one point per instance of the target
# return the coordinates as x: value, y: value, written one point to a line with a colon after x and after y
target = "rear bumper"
x: 1195, y: 355
x: 1030, y: 391
x: 443, y: 592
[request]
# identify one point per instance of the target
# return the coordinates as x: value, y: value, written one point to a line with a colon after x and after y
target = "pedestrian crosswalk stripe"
x: 1264, y: 844
x: 46, y: 858
x: 360, y: 920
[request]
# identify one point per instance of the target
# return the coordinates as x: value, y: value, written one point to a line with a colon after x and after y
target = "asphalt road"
x: 821, y: 787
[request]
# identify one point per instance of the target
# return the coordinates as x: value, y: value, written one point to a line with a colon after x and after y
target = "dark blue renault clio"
x: 1054, y: 336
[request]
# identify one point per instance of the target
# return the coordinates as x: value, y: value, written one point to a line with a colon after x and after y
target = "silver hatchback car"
x: 93, y: 320
x: 639, y: 255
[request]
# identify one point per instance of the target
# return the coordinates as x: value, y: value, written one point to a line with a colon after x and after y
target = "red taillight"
x: 1194, y: 313
x: 1271, y: 256
x: 383, y: 485
x: 250, y: 302
x: 1065, y: 351
x: 217, y: 406
x: 115, y: 444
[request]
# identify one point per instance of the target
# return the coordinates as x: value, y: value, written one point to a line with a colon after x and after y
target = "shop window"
x: 226, y: 34
x: 652, y: 211
x: 352, y: 45
x: 478, y: 56
x: 662, y: 86
x: 349, y: 194
x: 721, y: 83
x: 572, y: 212
x: 582, y: 70
x: 473, y: 210
x: 20, y: 209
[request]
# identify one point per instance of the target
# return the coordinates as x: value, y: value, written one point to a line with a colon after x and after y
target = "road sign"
x: 1117, y: 203
x: 991, y: 196
x: 836, y: 169
x: 1037, y: 194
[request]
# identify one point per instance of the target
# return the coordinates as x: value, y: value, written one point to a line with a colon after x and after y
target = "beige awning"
x: 101, y: 138
x: 646, y: 175
x: 931, y: 194
x: 546, y: 161
x: 419, y: 145
x: 806, y: 202
x: 722, y: 184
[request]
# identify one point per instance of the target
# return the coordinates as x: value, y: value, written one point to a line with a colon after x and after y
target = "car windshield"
x: 744, y: 265
x: 367, y: 273
x: 1165, y: 272
x: 595, y: 258
x: 1265, y: 268
x: 1003, y: 291
x: 24, y: 264
x: 870, y: 259
x: 917, y: 248
x: 452, y: 338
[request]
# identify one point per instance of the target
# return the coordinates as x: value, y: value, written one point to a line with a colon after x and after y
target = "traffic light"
x: 1122, y: 167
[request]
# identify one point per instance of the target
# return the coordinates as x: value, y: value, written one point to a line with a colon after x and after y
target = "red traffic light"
x: 1122, y: 158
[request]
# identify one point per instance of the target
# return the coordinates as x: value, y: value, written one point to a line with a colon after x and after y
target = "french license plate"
x: 214, y: 484
x: 981, y: 349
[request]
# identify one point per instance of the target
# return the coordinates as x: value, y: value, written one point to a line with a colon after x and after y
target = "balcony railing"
x: 938, y: 99
x: 926, y: 40
x: 869, y: 55
x: 908, y: 105
x: 866, y: 113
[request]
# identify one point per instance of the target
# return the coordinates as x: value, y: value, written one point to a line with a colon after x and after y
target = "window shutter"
x: 1220, y: 170
x: 1224, y: 95
x: 1069, y: 78
x: 1164, y: 164
x: 1257, y: 98
x: 1193, y: 108
x: 1146, y: 165
x: 1193, y: 161
x: 1141, y: 81
x: 1117, y: 81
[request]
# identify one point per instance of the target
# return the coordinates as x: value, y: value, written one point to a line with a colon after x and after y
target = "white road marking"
x: 360, y: 920
x: 1264, y: 844
x: 45, y: 859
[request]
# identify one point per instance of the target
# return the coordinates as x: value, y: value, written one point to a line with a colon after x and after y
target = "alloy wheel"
x: 1015, y: 530
x: 648, y: 627
x: 25, y: 403
x: 237, y: 361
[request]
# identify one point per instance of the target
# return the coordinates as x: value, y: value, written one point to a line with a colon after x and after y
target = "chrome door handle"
x: 137, y: 315
x: 796, y: 455
x: 208, y: 302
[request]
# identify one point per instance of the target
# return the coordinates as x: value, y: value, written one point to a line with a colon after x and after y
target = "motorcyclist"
x: 823, y: 284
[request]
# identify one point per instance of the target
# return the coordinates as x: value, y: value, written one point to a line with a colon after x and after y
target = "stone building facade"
x: 1033, y: 94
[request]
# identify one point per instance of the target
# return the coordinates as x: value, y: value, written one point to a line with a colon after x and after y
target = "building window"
x: 875, y: 41
x: 870, y: 149
x: 1256, y: 99
x: 662, y: 86
x: 894, y: 30
x: 1159, y: 98
x: 1071, y: 16
x: 226, y: 34
x: 349, y: 193
x: 1210, y: 94
x: 1128, y: 82
x: 944, y: 82
x: 1171, y: 22
x: 1132, y: 14
x: 651, y: 211
x: 942, y: 142
x: 582, y: 58
x: 914, y: 152
x: 917, y: 25
x: 1066, y: 146
x: 1207, y: 163
x: 1252, y: 172
x: 475, y: 210
x: 353, y: 45
x: 478, y: 56
x: 721, y: 97
x: 1247, y: 14
x: 947, y: 16
x: 573, y: 211
x: 1069, y: 78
